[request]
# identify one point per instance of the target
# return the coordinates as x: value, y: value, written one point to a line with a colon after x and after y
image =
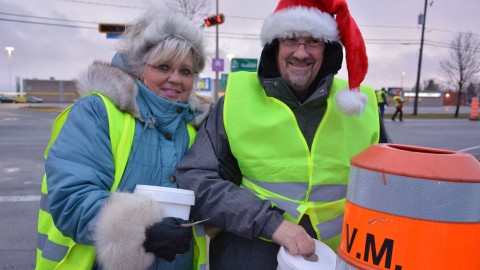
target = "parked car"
x: 34, y: 99
x: 7, y: 99
x: 20, y: 99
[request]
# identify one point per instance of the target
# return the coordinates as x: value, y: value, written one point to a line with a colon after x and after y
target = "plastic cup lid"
x: 167, y: 195
x: 326, y: 259
x: 165, y: 189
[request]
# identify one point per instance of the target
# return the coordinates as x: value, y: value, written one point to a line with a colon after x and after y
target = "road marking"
x: 15, y: 117
x: 28, y: 198
x: 468, y: 149
x: 12, y: 170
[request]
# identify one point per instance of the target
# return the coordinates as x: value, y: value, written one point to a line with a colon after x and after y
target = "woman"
x: 95, y: 154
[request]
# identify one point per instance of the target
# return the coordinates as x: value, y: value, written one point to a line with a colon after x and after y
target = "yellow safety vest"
x: 55, y: 251
x: 276, y: 162
x: 380, y: 96
x: 397, y: 101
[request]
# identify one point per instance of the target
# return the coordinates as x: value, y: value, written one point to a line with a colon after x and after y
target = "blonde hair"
x: 160, y: 37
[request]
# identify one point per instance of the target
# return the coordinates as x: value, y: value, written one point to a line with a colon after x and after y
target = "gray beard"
x: 298, y: 79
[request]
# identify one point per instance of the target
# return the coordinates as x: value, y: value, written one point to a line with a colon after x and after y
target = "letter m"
x: 387, y: 247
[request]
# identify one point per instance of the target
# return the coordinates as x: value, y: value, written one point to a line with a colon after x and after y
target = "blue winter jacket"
x: 80, y: 168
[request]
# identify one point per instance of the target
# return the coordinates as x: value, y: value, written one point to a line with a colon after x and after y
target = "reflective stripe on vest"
x: 276, y: 161
x: 55, y: 251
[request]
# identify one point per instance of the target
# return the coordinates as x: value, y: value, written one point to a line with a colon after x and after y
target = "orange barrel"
x: 474, y: 109
x: 411, y: 208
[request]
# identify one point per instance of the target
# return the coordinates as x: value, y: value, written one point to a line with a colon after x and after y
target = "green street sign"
x: 243, y: 64
x: 223, y: 81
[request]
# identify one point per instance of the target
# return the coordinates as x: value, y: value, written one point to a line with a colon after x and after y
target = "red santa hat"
x: 329, y: 20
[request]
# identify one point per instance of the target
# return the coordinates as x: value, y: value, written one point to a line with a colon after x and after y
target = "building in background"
x: 51, y: 90
x: 425, y: 98
x: 451, y: 98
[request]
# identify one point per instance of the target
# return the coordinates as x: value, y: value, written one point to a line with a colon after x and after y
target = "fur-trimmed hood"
x: 121, y: 88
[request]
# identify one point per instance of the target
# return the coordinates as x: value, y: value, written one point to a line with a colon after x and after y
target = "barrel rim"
x: 419, y: 162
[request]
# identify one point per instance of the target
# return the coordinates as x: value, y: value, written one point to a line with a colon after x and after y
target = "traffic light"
x: 111, y: 28
x: 214, y: 20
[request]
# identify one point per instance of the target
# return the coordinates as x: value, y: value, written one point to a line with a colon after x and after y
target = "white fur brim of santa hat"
x: 329, y: 20
x: 299, y: 21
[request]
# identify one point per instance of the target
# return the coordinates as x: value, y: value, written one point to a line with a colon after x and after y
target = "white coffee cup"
x: 326, y: 259
x: 176, y: 202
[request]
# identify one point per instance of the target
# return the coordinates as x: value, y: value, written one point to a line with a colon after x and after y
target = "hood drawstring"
x: 151, y: 120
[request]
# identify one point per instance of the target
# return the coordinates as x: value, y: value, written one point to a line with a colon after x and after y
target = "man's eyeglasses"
x: 166, y: 69
x: 311, y: 45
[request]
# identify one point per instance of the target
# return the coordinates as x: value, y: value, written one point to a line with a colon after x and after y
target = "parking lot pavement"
x: 430, y: 109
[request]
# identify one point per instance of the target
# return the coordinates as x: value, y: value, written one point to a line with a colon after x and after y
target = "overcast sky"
x: 45, y: 47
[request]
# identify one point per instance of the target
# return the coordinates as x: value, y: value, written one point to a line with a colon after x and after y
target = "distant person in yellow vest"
x: 381, y: 100
x: 133, y: 129
x: 271, y: 164
x: 398, y: 103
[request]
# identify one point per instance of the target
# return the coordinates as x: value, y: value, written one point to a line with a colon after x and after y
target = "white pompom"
x: 351, y: 101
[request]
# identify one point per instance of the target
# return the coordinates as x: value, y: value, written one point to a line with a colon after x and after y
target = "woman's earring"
x: 144, y: 82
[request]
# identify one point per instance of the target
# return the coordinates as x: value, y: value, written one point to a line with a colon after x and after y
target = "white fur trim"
x: 200, y: 105
x: 300, y: 21
x: 120, y: 231
x: 351, y: 101
x: 112, y: 82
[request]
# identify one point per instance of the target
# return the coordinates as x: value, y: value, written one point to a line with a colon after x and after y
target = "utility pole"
x: 217, y: 64
x: 417, y: 85
x: 217, y: 85
x: 9, y: 51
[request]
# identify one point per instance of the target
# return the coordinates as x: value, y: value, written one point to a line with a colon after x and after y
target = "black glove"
x: 167, y: 238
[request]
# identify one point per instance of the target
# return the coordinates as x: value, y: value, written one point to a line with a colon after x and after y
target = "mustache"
x: 295, y: 61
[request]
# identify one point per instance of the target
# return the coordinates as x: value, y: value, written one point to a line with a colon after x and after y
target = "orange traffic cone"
x: 474, y: 109
x: 411, y: 208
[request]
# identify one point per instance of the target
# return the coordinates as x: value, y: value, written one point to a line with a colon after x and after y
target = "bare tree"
x: 471, y: 92
x: 430, y: 85
x: 463, y: 63
x: 194, y: 10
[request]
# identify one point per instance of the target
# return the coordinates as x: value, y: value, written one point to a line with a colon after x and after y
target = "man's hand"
x: 294, y: 238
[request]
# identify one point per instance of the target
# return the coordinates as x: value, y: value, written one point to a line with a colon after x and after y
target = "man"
x: 398, y: 103
x: 270, y: 167
x: 381, y: 100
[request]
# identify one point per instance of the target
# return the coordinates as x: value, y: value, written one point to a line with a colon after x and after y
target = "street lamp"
x: 403, y: 76
x: 230, y: 56
x: 9, y: 51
